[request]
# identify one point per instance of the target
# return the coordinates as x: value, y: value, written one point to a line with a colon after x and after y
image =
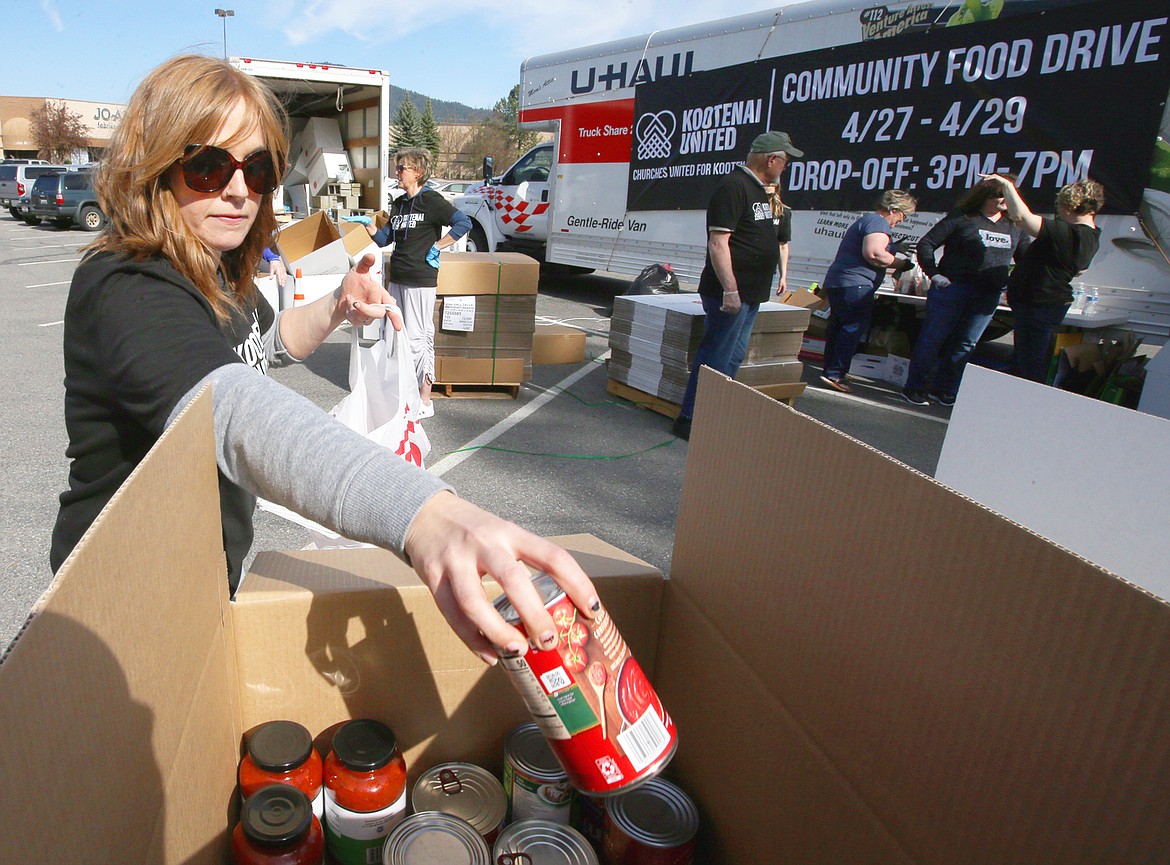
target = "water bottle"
x: 1078, y: 300
x: 1091, y: 299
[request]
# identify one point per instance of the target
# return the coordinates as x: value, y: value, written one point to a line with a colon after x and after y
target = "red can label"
x: 593, y: 702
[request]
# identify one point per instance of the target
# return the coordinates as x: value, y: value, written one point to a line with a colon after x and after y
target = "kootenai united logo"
x: 654, y: 132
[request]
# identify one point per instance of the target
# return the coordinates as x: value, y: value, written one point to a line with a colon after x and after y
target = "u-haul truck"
x: 358, y: 100
x: 909, y: 95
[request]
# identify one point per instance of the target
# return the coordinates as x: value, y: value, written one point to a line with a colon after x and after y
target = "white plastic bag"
x: 383, y: 401
x: 912, y: 281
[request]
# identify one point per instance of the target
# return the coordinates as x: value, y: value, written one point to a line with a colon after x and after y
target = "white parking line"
x: 53, y: 261
x: 47, y: 284
x: 490, y: 435
x: 850, y: 397
x: 51, y: 323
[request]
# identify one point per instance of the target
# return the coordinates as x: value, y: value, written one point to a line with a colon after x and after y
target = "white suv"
x: 16, y: 182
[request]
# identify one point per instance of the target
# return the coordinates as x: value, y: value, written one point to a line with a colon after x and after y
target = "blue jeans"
x: 956, y: 316
x: 849, y: 311
x: 1032, y: 334
x: 723, y: 347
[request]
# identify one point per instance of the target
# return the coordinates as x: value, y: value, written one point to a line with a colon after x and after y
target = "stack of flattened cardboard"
x: 653, y: 340
x: 485, y: 318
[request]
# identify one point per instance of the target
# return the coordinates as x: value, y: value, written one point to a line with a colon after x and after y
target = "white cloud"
x: 51, y: 11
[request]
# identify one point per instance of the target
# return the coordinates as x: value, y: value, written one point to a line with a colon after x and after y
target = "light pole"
x: 225, y: 14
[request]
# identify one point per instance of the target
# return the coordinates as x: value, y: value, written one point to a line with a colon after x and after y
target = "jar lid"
x: 543, y: 842
x: 365, y: 745
x: 656, y: 813
x: 278, y: 746
x: 276, y: 815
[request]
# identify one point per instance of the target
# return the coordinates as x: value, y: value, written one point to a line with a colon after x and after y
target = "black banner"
x: 1051, y: 97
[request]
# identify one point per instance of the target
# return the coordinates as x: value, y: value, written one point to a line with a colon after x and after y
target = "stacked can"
x: 466, y: 791
x: 542, y: 842
x: 435, y: 838
x: 654, y: 824
x: 535, y: 783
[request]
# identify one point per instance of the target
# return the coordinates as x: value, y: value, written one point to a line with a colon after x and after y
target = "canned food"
x: 465, y: 791
x: 655, y: 824
x: 590, y: 698
x: 278, y: 827
x: 282, y: 752
x: 542, y: 842
x: 435, y: 838
x: 535, y: 783
x: 589, y: 818
x: 365, y: 791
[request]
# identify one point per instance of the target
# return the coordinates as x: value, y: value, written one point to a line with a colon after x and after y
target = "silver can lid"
x: 544, y: 843
x: 435, y: 838
x: 463, y: 790
x: 545, y: 586
x: 655, y: 813
x: 528, y: 750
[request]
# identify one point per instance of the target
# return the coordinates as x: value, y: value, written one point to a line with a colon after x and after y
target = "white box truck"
x: 883, y: 96
x: 357, y: 99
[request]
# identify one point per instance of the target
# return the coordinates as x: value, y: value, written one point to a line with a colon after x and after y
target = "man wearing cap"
x: 743, y: 253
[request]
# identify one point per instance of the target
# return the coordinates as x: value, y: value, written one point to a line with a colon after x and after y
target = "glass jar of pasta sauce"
x: 282, y: 752
x: 365, y: 791
x: 590, y: 698
x: 278, y: 827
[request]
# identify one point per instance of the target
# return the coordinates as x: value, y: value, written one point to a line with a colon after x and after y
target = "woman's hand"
x: 362, y: 298
x: 453, y: 544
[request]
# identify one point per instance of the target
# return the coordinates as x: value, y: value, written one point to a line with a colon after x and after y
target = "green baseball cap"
x: 774, y: 142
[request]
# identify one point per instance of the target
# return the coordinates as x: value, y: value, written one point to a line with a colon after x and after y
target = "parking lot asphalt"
x: 563, y: 457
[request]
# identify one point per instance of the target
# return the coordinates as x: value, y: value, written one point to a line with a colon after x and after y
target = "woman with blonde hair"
x: 164, y: 304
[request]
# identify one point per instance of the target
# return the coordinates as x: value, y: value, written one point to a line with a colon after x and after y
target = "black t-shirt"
x: 784, y: 225
x: 977, y: 251
x: 415, y: 225
x: 740, y: 204
x: 1060, y: 251
x: 138, y: 336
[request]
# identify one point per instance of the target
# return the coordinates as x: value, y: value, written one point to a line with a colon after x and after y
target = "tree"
x: 406, y: 131
x: 507, y: 113
x: 429, y: 128
x: 58, y: 132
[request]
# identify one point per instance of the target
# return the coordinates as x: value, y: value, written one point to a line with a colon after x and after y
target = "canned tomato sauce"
x: 435, y: 838
x: 542, y: 842
x: 590, y: 698
x: 655, y: 824
x: 463, y: 790
x: 535, y: 783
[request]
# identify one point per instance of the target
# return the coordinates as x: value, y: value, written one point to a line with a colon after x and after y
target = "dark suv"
x: 66, y: 198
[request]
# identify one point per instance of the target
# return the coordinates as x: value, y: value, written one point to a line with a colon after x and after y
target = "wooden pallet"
x: 786, y: 393
x: 475, y: 391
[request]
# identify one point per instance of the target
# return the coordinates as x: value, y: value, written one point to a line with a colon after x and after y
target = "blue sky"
x: 466, y: 51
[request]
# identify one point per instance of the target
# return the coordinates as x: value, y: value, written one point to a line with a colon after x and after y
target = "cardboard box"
x: 321, y: 134
x: 488, y: 273
x: 805, y: 299
x: 558, y: 343
x: 945, y: 688
x: 314, y: 245
x: 485, y: 370
x: 897, y: 369
x: 812, y: 348
x: 326, y: 167
x: 868, y: 366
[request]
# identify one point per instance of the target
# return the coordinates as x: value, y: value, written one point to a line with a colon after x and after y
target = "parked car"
x: 450, y: 189
x: 66, y: 198
x: 16, y: 182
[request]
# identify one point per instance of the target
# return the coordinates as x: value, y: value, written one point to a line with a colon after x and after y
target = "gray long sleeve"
x: 276, y: 444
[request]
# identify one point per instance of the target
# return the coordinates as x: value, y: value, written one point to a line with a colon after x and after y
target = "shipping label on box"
x: 459, y: 313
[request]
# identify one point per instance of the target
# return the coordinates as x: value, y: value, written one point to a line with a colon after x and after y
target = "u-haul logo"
x: 617, y: 76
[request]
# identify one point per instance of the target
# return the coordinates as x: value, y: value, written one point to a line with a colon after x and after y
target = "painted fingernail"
x: 595, y: 605
x: 514, y: 649
x: 549, y: 640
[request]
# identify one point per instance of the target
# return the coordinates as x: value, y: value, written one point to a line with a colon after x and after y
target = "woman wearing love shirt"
x: 164, y: 304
